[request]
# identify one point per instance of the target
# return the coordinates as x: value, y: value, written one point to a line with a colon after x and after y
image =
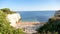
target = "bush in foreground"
x: 5, y: 27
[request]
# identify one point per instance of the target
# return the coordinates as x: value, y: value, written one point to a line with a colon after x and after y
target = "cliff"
x: 5, y: 27
x: 13, y: 19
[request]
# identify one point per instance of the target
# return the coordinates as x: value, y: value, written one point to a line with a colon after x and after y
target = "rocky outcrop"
x: 57, y: 14
x: 13, y: 19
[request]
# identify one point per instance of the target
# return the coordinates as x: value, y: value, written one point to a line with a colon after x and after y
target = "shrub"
x: 5, y: 27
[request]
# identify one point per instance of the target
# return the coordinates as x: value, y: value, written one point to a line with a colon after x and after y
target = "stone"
x: 13, y: 19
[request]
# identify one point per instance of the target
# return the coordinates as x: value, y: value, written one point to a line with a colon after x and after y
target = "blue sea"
x: 36, y: 16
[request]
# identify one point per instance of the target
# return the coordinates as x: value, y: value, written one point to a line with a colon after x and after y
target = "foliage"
x: 53, y: 25
x: 7, y: 11
x: 5, y: 27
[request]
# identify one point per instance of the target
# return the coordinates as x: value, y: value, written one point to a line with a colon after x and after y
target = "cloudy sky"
x: 30, y: 5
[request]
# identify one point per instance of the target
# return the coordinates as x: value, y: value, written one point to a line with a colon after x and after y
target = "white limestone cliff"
x: 13, y: 19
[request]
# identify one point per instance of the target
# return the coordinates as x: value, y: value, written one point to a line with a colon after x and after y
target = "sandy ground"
x: 30, y: 23
x: 29, y: 27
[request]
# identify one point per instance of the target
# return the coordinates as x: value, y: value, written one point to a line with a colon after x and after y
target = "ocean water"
x: 36, y: 16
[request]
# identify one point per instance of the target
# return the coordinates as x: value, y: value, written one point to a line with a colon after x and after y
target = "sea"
x: 36, y: 16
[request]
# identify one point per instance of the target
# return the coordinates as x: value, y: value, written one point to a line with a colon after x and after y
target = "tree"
x: 7, y: 11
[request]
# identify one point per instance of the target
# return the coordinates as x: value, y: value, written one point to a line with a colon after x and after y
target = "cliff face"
x: 13, y: 19
x: 57, y: 14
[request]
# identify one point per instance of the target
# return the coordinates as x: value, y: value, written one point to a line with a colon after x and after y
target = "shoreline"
x: 30, y: 23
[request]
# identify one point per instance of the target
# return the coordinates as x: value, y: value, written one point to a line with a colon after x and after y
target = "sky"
x: 30, y: 5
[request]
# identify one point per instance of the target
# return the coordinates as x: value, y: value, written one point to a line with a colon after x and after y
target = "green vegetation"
x: 51, y: 27
x: 7, y: 11
x: 5, y: 27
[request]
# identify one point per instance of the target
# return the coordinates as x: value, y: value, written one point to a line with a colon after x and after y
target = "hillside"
x: 5, y: 27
